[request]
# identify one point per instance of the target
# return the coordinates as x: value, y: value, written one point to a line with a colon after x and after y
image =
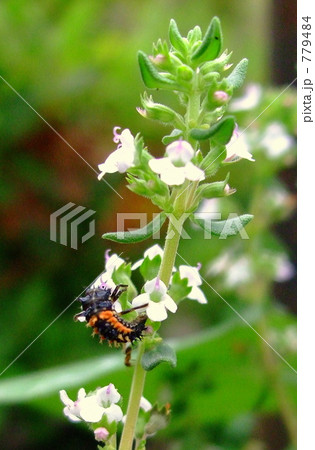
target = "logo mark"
x: 69, y: 225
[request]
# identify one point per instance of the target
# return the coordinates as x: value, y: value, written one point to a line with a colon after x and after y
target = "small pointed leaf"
x: 237, y: 77
x: 211, y: 44
x: 176, y: 38
x: 151, y: 76
x: 130, y: 237
x: 174, y: 136
x: 221, y: 131
x: 224, y: 228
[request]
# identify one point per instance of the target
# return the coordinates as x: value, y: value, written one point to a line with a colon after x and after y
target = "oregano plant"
x: 201, y: 139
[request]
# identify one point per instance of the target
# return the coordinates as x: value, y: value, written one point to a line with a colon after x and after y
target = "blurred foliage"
x: 75, y: 63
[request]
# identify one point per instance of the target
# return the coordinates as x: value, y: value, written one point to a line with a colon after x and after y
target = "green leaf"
x: 176, y: 38
x: 221, y: 132
x: 194, y: 36
x: 211, y: 44
x: 224, y: 228
x: 149, y: 269
x: 152, y: 78
x: 159, y: 354
x: 131, y: 237
x: 179, y: 288
x: 174, y: 136
x: 44, y: 382
x: 238, y: 75
x: 212, y: 161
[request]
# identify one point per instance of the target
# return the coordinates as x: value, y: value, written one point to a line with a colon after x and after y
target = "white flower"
x: 284, y: 268
x: 156, y: 299
x: 112, y: 263
x: 145, y: 404
x: 107, y: 395
x: 84, y: 408
x: 239, y: 272
x: 194, y: 280
x: 238, y: 147
x: 250, y: 99
x: 91, y: 408
x: 176, y: 167
x: 276, y: 140
x: 235, y: 270
x: 122, y: 158
x: 151, y: 253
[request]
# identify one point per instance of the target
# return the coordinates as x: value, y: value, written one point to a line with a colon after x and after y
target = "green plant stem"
x: 171, y: 245
x: 134, y: 402
x: 170, y: 250
x: 183, y: 198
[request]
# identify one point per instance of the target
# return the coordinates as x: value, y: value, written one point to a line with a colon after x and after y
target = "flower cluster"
x: 93, y: 407
x: 176, y: 166
x: 156, y: 299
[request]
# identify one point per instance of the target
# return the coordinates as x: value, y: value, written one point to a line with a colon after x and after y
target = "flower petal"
x: 140, y: 300
x: 137, y: 264
x: 155, y: 286
x: 174, y: 176
x: 90, y: 411
x: 153, y: 251
x: 127, y: 140
x: 107, y: 395
x: 160, y: 165
x: 238, y: 147
x: 112, y: 263
x: 197, y: 294
x: 72, y: 417
x: 156, y: 311
x: 145, y: 404
x: 113, y: 413
x: 64, y: 398
x: 180, y: 152
x: 191, y: 273
x: 193, y: 173
x: 169, y: 303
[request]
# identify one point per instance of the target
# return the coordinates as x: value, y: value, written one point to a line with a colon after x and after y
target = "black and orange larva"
x: 99, y: 313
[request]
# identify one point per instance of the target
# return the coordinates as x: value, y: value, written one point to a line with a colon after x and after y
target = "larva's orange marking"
x: 105, y: 315
x: 93, y: 321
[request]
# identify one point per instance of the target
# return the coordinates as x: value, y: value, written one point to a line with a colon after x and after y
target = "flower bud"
x: 220, y: 98
x: 184, y: 73
x: 101, y: 434
x: 156, y: 111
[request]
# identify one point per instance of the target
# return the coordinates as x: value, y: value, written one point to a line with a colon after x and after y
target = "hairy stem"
x: 134, y: 402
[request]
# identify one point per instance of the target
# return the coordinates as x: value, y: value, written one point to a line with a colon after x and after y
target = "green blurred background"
x: 75, y: 63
